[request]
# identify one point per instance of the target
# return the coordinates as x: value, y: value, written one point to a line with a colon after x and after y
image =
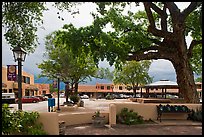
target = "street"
x: 101, y: 104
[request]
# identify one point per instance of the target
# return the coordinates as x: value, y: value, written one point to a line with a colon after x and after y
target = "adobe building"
x: 29, y: 88
x: 102, y: 89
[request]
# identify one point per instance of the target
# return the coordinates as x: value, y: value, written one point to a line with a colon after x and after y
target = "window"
x: 108, y: 87
x: 102, y: 87
x: 27, y: 80
x: 120, y: 88
x: 44, y: 92
x: 4, y: 90
x: 10, y: 90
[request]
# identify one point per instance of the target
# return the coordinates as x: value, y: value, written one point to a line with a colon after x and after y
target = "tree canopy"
x: 61, y: 60
x: 158, y: 33
x: 133, y: 74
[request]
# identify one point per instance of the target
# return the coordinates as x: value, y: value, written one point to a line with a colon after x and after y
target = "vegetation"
x: 109, y: 96
x: 196, y: 115
x: 97, y: 114
x: 144, y: 35
x: 75, y: 98
x: 154, y: 34
x: 129, y: 117
x: 133, y: 74
x: 62, y: 60
x: 20, y: 122
x: 20, y: 21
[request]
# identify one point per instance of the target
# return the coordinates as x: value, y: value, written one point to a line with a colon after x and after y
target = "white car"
x: 84, y: 97
x: 62, y: 95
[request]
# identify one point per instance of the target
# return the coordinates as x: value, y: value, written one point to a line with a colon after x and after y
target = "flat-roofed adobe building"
x: 160, y: 88
x: 28, y: 86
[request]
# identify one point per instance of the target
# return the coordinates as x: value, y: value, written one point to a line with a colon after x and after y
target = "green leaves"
x: 20, y: 21
x: 20, y: 122
x: 68, y: 55
x: 133, y: 73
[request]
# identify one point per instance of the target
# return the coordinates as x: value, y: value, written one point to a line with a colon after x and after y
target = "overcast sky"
x: 160, y: 69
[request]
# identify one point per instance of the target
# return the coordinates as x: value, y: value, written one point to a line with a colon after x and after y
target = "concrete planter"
x: 98, y: 121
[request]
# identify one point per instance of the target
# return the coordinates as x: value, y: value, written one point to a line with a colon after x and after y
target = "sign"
x: 54, y: 84
x: 11, y: 72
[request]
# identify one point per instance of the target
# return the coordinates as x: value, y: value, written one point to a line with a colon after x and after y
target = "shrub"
x: 74, y: 98
x: 129, y: 117
x: 20, y: 122
x: 109, y: 96
x: 195, y: 115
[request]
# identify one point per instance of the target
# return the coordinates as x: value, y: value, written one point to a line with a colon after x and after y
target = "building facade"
x: 102, y: 89
x: 29, y: 88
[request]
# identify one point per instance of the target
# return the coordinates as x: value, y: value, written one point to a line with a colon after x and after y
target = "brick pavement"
x: 119, y: 129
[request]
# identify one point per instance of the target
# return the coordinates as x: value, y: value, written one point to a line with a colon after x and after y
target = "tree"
x: 164, y: 38
x: 161, y: 35
x: 104, y: 73
x: 62, y: 60
x: 133, y: 74
x: 20, y: 21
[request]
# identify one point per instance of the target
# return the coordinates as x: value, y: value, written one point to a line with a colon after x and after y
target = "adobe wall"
x: 148, y: 110
x: 79, y: 117
x: 50, y: 121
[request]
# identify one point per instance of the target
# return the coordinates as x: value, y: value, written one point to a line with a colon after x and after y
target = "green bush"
x: 20, y: 122
x: 195, y: 115
x: 129, y: 117
x: 109, y: 96
x: 74, y: 98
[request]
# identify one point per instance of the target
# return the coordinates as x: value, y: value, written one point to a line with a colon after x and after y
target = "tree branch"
x: 173, y: 9
x: 146, y: 49
x: 190, y: 8
x: 162, y: 14
x: 152, y: 28
x: 142, y: 56
x: 156, y: 41
x: 160, y: 33
x: 192, y: 45
x: 149, y: 14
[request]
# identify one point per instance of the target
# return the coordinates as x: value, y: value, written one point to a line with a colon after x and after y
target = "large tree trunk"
x: 185, y: 80
x: 173, y: 47
x: 184, y: 72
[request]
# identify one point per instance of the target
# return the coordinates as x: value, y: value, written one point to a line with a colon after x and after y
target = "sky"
x: 159, y: 69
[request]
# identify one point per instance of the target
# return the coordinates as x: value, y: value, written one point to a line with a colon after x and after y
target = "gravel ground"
x: 119, y: 129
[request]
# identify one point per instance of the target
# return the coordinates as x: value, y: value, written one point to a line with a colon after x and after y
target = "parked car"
x: 62, y: 95
x: 117, y: 96
x: 29, y: 99
x: 8, y: 98
x: 84, y: 97
x: 42, y: 98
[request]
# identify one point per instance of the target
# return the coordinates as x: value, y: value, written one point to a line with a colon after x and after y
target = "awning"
x: 162, y: 84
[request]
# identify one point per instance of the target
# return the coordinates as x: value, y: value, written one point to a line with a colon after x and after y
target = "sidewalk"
x: 167, y: 127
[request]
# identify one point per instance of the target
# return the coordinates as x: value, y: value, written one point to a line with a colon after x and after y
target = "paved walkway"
x: 167, y: 127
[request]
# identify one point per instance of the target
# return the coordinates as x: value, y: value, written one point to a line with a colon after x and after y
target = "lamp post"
x: 58, y: 79
x: 19, y: 55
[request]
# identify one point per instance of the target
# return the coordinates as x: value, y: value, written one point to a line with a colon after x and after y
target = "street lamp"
x: 58, y: 79
x: 19, y: 55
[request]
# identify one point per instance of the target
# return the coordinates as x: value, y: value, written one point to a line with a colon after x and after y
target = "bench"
x: 174, y: 109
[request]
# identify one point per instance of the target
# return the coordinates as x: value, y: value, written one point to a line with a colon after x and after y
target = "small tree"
x: 133, y: 73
